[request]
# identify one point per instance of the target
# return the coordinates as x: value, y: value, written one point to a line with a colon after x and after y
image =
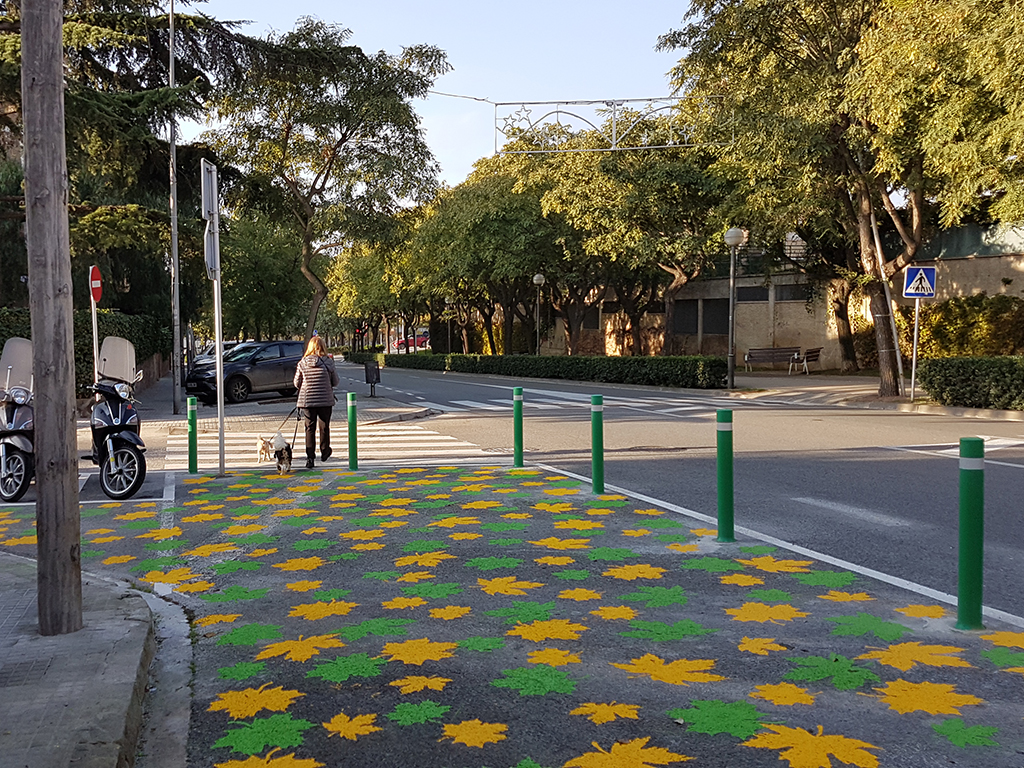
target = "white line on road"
x: 875, y: 518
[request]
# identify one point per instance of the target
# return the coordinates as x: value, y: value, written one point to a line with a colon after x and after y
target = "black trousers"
x: 310, y: 418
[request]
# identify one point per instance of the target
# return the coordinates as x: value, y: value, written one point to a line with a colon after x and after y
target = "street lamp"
x: 733, y: 238
x: 538, y: 280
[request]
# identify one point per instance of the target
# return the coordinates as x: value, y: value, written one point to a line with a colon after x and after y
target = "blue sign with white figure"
x: 919, y: 283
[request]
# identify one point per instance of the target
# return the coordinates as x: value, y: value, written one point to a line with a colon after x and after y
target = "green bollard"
x: 972, y: 533
x: 193, y: 446
x: 597, y: 442
x: 353, y: 446
x: 517, y: 426
x: 726, y: 532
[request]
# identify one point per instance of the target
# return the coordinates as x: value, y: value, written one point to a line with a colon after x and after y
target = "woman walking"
x: 315, y: 378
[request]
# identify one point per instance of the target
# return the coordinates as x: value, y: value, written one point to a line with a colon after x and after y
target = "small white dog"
x: 283, y: 453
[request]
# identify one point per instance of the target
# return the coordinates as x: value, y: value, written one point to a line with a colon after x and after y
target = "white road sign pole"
x: 913, y: 364
x: 918, y: 283
x: 211, y: 242
x: 95, y: 292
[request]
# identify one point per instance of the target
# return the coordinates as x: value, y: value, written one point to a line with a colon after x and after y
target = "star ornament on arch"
x: 512, y: 121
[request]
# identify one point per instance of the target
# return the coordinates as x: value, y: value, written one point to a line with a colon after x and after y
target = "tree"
x: 332, y: 130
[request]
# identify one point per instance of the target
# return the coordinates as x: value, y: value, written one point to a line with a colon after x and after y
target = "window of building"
x: 752, y: 293
x: 684, y: 317
x: 795, y: 292
x: 716, y: 317
x: 592, y: 319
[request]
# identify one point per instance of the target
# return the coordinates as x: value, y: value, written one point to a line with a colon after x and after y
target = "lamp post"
x: 733, y: 237
x: 539, y: 281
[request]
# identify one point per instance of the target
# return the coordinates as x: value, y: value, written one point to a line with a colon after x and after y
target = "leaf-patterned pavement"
x: 471, y: 617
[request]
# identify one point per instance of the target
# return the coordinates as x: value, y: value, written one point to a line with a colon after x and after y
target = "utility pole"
x: 175, y: 263
x: 59, y: 565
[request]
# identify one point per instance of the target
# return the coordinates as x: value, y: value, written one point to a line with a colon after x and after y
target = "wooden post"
x: 49, y: 285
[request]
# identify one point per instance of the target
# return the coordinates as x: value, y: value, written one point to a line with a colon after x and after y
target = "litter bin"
x: 372, y: 368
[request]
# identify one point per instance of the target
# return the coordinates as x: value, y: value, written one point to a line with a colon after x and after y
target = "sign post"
x: 95, y: 293
x: 211, y: 248
x: 918, y: 283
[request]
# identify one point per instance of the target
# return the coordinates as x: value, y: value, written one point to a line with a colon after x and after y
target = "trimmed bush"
x: 975, y: 382
x: 692, y: 372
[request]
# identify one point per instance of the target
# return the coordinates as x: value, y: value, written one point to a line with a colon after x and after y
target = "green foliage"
x: 250, y: 634
x: 660, y: 632
x: 658, y: 597
x: 417, y: 714
x: 737, y: 718
x: 864, y: 624
x: 964, y: 736
x: 274, y: 731
x: 342, y: 668
x: 975, y: 382
x: 536, y: 680
x: 845, y: 675
x: 968, y: 326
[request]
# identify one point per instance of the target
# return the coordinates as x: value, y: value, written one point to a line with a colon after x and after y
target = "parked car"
x: 422, y: 340
x: 261, y: 366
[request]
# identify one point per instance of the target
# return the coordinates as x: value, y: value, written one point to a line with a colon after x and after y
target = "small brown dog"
x: 265, y: 446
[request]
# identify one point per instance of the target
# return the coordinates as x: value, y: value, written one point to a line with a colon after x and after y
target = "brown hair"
x: 316, y: 346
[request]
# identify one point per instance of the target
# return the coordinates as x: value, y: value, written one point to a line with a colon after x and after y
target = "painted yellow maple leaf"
x: 242, y: 530
x: 401, y: 502
x: 579, y: 594
x: 218, y: 618
x: 555, y: 508
x: 553, y: 657
x: 634, y: 572
x: 578, y: 525
x: 160, y: 534
x: 783, y: 694
x: 195, y: 586
x: 400, y: 603
x: 174, y: 576
x: 904, y: 656
x: 302, y: 649
x: 554, y: 560
x: 600, y: 512
x: 418, y: 651
x: 465, y: 536
x: 203, y: 517
x: 923, y: 611
x: 611, y: 612
x: 362, y: 535
x: 649, y: 511
x: 241, y: 705
x: 552, y: 542
x: 606, y: 713
x: 139, y: 515
x: 1006, y: 639
x: 451, y: 522
x: 629, y: 754
x: 416, y: 577
x: 802, y: 749
x: 846, y: 597
x: 515, y: 515
x: 769, y: 564
x: 934, y: 698
x: 263, y: 552
x: 106, y: 539
x: 211, y: 549
x: 636, y: 532
x: 741, y: 580
x: 760, y: 645
x: 552, y: 629
x: 424, y: 560
x: 450, y: 612
x: 368, y: 546
x: 762, y: 612
x: 678, y: 672
x: 303, y: 586
x: 474, y: 733
x: 506, y: 585
x: 351, y: 728
x: 285, y: 761
x: 300, y: 563
x: 417, y: 683
x: 118, y: 559
x: 481, y: 505
x: 321, y: 610
x: 317, y: 529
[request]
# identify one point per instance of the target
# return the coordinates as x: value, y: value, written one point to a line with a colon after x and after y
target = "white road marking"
x: 474, y: 405
x: 875, y: 518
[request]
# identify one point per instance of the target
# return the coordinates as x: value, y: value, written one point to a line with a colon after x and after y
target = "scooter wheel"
x: 15, y: 474
x: 122, y: 474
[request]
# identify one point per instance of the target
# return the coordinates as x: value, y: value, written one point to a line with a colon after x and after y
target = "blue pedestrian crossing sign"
x: 919, y: 283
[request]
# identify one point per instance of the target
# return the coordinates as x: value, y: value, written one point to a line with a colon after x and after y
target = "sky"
x: 529, y: 50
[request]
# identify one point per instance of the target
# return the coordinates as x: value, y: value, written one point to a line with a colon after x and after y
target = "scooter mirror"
x: 138, y: 376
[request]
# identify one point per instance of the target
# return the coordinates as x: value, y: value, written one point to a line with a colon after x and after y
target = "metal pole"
x: 193, y: 441
x: 538, y: 320
x: 95, y: 342
x: 972, y: 533
x: 726, y: 532
x: 597, y: 442
x: 517, y: 426
x: 219, y: 341
x: 731, y: 372
x: 175, y: 263
x: 353, y: 446
x: 913, y: 365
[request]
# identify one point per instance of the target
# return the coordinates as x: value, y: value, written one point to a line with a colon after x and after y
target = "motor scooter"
x: 17, y: 423
x: 117, y: 448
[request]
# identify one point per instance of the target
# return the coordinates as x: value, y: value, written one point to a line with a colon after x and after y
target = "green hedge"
x: 694, y: 372
x: 148, y: 334
x: 975, y: 382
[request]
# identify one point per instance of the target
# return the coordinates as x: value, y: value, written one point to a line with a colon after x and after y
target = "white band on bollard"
x: 517, y: 397
x: 972, y: 463
x: 725, y: 426
x: 594, y: 408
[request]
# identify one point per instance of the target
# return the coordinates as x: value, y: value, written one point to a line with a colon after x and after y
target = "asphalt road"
x: 875, y: 488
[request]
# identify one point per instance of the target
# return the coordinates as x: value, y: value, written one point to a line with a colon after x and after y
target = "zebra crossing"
x: 384, y: 443
x: 666, y: 406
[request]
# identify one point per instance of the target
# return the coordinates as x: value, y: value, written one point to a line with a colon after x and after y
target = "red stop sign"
x: 95, y: 283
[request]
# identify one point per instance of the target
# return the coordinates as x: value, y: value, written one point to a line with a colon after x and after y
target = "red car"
x: 421, y: 341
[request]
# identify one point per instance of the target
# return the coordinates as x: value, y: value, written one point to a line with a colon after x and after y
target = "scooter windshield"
x: 16, y: 364
x: 117, y: 359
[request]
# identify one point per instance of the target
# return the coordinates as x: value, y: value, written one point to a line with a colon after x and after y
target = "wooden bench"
x: 809, y: 356
x: 770, y: 355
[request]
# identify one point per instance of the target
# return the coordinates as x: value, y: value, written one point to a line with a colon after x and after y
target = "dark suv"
x: 260, y: 366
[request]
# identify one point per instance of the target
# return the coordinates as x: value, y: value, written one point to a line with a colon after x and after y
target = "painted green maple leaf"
x: 500, y: 527
x: 670, y: 537
x: 433, y: 591
x: 659, y: 632
x: 737, y: 718
x: 243, y: 670
x: 342, y: 668
x: 326, y: 595
x: 657, y: 597
x: 425, y: 545
x: 141, y: 525
x: 223, y: 569
x: 830, y: 579
x: 378, y: 627
x: 250, y: 634
x: 711, y: 565
x: 493, y: 563
x: 845, y: 675
x: 255, y: 538
x: 234, y: 593
x: 536, y: 680
x: 964, y: 736
x: 157, y: 564
x: 344, y: 556
x: 864, y: 624
x: 610, y: 553
x: 416, y: 714
x: 758, y: 549
x: 524, y: 612
x: 296, y: 522
x: 307, y: 544
x: 482, y: 644
x: 657, y: 523
x: 505, y: 542
x: 576, y: 575
x: 381, y: 575
x: 768, y: 596
x: 1004, y: 657
x: 274, y: 731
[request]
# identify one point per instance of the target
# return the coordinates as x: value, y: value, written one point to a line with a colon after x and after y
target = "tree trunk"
x: 666, y: 343
x: 59, y: 564
x: 319, y: 289
x: 839, y: 296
